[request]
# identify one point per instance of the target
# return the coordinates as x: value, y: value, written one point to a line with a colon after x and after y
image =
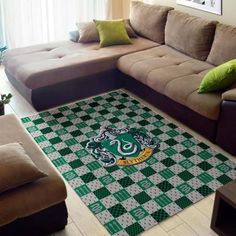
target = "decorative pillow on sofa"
x: 149, y: 20
x: 74, y: 36
x: 219, y: 78
x: 88, y: 31
x: 129, y: 29
x: 224, y: 45
x: 16, y: 167
x: 189, y: 34
x: 112, y: 32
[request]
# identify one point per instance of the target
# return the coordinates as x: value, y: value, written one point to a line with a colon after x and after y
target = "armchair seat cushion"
x: 175, y: 75
x: 34, y: 197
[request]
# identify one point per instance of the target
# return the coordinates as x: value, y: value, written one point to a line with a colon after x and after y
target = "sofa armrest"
x: 229, y: 95
x: 226, y: 130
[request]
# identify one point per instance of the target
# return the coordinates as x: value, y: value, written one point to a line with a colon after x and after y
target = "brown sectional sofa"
x: 36, y: 208
x: 165, y: 66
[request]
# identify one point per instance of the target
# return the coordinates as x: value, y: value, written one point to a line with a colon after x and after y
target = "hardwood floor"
x: 193, y: 221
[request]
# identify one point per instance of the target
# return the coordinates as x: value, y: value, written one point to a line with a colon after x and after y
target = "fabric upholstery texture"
x: 16, y: 167
x: 230, y: 95
x: 48, y: 64
x: 129, y: 29
x: 112, y: 32
x: 149, y: 20
x: 34, y: 197
x: 189, y: 34
x: 88, y: 32
x: 224, y: 46
x: 175, y: 75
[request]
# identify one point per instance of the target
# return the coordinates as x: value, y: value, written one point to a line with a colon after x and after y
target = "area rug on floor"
x: 131, y: 167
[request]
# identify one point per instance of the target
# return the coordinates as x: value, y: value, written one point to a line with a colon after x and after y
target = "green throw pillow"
x: 112, y: 32
x: 219, y: 78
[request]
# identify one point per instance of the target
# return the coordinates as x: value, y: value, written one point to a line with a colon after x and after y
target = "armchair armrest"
x: 229, y: 95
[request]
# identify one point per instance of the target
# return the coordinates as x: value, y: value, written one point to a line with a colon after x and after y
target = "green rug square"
x: 142, y: 198
x: 117, y: 210
x: 125, y: 182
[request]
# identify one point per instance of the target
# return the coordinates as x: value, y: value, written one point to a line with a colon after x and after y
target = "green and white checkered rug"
x: 131, y: 167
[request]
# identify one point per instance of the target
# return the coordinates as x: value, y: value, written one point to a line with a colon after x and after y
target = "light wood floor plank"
x: 183, y: 230
x: 213, y: 196
x: 197, y: 221
x: 70, y: 230
x: 205, y: 206
x: 20, y: 106
x: 9, y: 110
x: 155, y: 231
x: 171, y: 223
x: 2, y: 73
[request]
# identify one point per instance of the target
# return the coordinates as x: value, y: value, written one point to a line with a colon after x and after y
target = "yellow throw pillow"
x: 112, y: 32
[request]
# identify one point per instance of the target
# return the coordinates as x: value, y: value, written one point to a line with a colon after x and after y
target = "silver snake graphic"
x: 121, y: 148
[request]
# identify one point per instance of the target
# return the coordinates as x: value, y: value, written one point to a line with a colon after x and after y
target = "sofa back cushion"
x: 224, y: 45
x: 189, y: 34
x: 149, y: 20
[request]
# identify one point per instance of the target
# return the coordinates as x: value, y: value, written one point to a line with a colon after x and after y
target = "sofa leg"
x: 226, y: 131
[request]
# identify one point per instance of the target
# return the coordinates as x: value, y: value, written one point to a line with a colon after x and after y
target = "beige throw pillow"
x: 149, y: 20
x: 224, y: 45
x: 16, y: 167
x: 88, y: 31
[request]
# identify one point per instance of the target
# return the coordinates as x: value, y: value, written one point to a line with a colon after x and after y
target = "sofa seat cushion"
x: 47, y: 64
x: 184, y: 90
x: 175, y: 75
x: 34, y: 197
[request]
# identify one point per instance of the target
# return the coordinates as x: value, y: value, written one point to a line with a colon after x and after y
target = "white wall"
x: 117, y: 9
x: 126, y: 8
x: 2, y: 38
x: 121, y: 8
x: 228, y: 16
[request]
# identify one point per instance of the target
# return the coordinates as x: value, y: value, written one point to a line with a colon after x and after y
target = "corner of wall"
x: 228, y: 16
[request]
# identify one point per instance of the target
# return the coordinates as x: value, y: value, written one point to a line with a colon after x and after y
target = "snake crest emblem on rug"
x: 122, y: 146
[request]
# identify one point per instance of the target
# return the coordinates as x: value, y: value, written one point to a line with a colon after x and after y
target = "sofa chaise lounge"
x: 52, y: 74
x: 164, y: 65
